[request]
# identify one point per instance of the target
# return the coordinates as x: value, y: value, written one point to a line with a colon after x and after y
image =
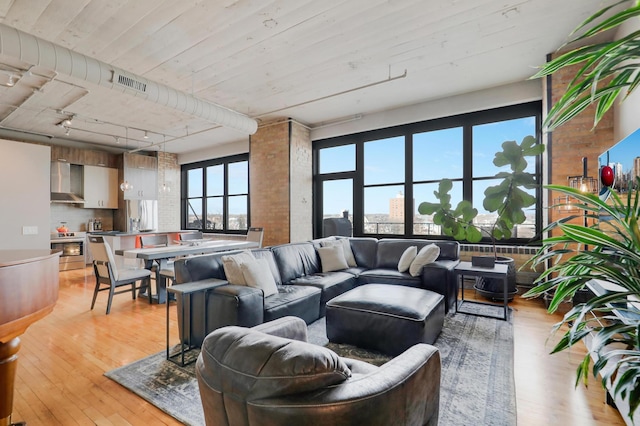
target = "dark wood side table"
x: 466, y: 269
x: 183, y: 293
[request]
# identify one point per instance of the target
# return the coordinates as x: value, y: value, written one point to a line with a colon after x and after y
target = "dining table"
x: 162, y: 255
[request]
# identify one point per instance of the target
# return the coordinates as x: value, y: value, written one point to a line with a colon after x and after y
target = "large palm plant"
x: 607, y: 71
x: 613, y: 255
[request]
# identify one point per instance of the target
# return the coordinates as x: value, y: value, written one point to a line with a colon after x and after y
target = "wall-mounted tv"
x: 624, y: 161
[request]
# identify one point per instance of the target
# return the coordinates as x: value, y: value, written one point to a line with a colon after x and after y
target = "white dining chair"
x: 110, y: 275
x: 255, y: 235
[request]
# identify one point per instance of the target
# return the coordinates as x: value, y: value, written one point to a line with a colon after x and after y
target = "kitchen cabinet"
x: 67, y: 154
x: 99, y: 158
x: 100, y: 187
x: 141, y: 171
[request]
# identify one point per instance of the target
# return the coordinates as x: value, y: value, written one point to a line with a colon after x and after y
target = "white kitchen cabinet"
x: 141, y: 171
x: 100, y: 187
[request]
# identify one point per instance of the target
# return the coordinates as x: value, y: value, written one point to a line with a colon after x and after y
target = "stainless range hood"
x: 61, y: 184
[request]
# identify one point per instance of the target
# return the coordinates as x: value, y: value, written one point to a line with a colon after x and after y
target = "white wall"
x: 24, y: 195
x: 216, y: 151
x: 627, y: 114
x: 510, y: 94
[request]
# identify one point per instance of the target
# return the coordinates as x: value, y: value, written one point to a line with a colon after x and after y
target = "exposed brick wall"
x: 575, y: 139
x: 269, y: 180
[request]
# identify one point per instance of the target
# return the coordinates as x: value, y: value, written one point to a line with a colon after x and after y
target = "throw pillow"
x: 258, y: 275
x: 231, y: 265
x: 407, y: 258
x: 332, y: 258
x: 348, y: 252
x: 346, y: 249
x: 426, y: 255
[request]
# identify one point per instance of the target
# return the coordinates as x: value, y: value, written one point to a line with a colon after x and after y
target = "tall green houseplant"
x: 508, y: 199
x: 579, y: 254
x: 613, y: 255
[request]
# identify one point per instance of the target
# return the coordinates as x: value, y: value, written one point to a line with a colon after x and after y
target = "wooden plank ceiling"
x: 261, y: 56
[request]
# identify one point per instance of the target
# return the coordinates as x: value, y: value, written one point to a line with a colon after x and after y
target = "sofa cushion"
x: 427, y: 254
x: 332, y: 258
x: 253, y: 365
x: 297, y: 300
x: 389, y: 276
x: 296, y: 260
x: 407, y: 258
x: 258, y: 275
x: 364, y: 250
x: 231, y: 265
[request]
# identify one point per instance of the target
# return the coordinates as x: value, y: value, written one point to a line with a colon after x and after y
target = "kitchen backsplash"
x: 77, y: 218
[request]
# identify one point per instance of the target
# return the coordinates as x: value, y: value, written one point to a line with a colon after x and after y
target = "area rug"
x: 477, y: 383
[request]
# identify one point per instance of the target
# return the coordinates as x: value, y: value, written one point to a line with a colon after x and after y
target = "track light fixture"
x: 146, y: 135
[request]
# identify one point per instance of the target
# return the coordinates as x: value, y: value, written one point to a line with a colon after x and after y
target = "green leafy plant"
x: 613, y: 255
x: 607, y: 69
x: 508, y: 199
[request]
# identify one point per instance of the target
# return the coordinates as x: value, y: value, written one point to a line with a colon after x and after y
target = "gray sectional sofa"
x: 303, y: 289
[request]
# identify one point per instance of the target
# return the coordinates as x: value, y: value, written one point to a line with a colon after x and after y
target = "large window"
x: 382, y: 176
x: 217, y: 195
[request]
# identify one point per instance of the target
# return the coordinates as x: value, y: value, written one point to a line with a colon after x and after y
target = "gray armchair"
x: 270, y: 375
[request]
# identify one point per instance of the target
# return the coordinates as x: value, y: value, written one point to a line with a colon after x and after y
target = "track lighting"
x: 146, y: 135
x: 67, y: 131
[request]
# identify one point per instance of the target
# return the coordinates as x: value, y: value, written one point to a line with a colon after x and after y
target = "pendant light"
x: 126, y: 186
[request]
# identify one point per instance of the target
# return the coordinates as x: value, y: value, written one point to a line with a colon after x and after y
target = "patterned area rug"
x: 477, y: 386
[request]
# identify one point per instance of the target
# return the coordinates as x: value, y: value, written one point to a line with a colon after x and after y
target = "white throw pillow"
x: 348, y: 252
x: 257, y: 274
x: 346, y: 249
x: 332, y: 258
x: 407, y: 258
x: 426, y: 255
x: 231, y: 265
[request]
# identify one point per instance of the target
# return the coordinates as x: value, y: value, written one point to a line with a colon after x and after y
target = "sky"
x: 437, y: 155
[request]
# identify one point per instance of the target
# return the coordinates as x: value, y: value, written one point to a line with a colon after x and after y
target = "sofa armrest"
x: 289, y: 327
x: 439, y: 276
x: 405, y: 390
x: 235, y: 305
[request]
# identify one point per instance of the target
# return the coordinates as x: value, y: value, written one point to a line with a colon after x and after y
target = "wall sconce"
x: 584, y: 183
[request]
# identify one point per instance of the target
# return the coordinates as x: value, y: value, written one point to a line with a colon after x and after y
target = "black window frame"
x: 467, y: 121
x: 225, y: 162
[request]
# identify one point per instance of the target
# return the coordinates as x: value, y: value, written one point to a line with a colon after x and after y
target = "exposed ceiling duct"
x: 36, y: 51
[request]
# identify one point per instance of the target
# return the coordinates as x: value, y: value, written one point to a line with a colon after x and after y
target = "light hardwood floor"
x: 60, y: 377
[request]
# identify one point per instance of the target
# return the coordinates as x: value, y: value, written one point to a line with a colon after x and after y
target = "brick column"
x: 280, y: 176
x: 574, y: 140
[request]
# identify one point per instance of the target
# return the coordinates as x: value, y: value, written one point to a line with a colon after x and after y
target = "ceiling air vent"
x: 129, y: 82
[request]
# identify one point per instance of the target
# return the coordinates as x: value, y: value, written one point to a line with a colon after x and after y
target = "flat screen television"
x: 624, y: 160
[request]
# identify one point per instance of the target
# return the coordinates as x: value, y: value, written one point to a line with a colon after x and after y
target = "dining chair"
x: 166, y: 271
x: 255, y: 235
x: 110, y: 275
x: 188, y: 236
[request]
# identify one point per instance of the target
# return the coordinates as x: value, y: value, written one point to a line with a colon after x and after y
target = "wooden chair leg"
x: 95, y: 293
x: 111, y: 291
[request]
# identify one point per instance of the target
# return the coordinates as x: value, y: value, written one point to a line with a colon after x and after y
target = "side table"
x: 183, y: 292
x: 497, y: 272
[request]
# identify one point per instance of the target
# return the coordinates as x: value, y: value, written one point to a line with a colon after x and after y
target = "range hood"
x: 61, y: 184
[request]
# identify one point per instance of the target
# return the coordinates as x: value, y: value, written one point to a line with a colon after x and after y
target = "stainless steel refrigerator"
x: 142, y: 215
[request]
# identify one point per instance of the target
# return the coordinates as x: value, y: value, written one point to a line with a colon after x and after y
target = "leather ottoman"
x: 385, y: 318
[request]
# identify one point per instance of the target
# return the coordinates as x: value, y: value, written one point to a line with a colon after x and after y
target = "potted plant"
x: 508, y: 200
x: 613, y: 256
x: 607, y: 71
